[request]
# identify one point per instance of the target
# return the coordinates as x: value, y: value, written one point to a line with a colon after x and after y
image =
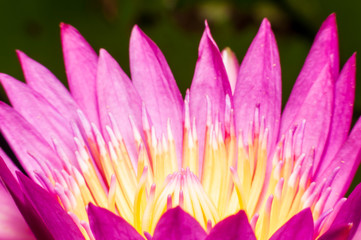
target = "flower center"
x: 232, y: 175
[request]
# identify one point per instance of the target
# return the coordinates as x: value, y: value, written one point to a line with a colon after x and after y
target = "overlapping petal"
x: 155, y: 83
x: 350, y: 212
x: 107, y: 225
x: 80, y: 65
x: 176, y: 224
x: 43, y: 116
x: 259, y: 84
x: 42, y: 81
x: 235, y: 227
x: 345, y: 163
x: 209, y: 81
x: 57, y: 221
x: 323, y: 54
x: 342, y: 112
x: 26, y: 141
x: 118, y: 97
x: 231, y: 64
x: 299, y: 227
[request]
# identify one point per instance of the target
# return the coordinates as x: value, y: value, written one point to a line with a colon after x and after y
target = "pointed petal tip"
x: 67, y: 29
x: 206, y: 25
x: 136, y: 32
x: 102, y: 52
x: 64, y: 26
x: 266, y: 22
x: 329, y: 23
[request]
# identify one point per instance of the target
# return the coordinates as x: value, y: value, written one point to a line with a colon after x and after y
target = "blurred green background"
x: 176, y: 26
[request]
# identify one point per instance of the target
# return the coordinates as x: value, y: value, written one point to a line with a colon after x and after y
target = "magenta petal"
x: 117, y: 95
x: 12, y: 224
x: 259, y: 83
x: 324, y: 51
x: 81, y: 65
x: 209, y: 80
x: 155, y: 83
x: 337, y: 233
x: 235, y: 227
x: 25, y: 140
x: 342, y: 113
x: 58, y: 222
x: 299, y: 227
x: 41, y: 80
x: 316, y: 111
x: 8, y: 163
x: 350, y: 212
x: 33, y: 219
x: 176, y: 224
x: 106, y: 225
x: 44, y: 117
x: 347, y: 160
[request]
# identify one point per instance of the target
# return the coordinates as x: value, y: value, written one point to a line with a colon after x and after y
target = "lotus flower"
x: 131, y: 159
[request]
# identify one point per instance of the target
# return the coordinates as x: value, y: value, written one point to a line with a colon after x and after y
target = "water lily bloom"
x: 131, y: 159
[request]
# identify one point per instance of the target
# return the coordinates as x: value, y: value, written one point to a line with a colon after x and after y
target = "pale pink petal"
x: 155, y: 83
x: 342, y: 113
x: 41, y: 80
x: 81, y: 65
x: 44, y: 117
x: 259, y: 84
x: 231, y: 64
x: 25, y: 141
x: 209, y: 80
x: 323, y: 51
x: 117, y: 95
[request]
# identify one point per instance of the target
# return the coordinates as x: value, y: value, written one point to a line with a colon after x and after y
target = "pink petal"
x: 57, y: 221
x: 209, y: 80
x: 41, y: 80
x: 106, y: 225
x: 337, y: 233
x: 81, y: 65
x: 235, y: 227
x: 117, y: 95
x: 231, y: 64
x: 347, y: 159
x: 299, y: 227
x: 342, y: 113
x: 316, y: 111
x: 12, y: 223
x: 259, y: 83
x: 176, y: 224
x: 25, y: 141
x: 155, y: 83
x: 350, y: 212
x: 44, y: 117
x: 324, y: 51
